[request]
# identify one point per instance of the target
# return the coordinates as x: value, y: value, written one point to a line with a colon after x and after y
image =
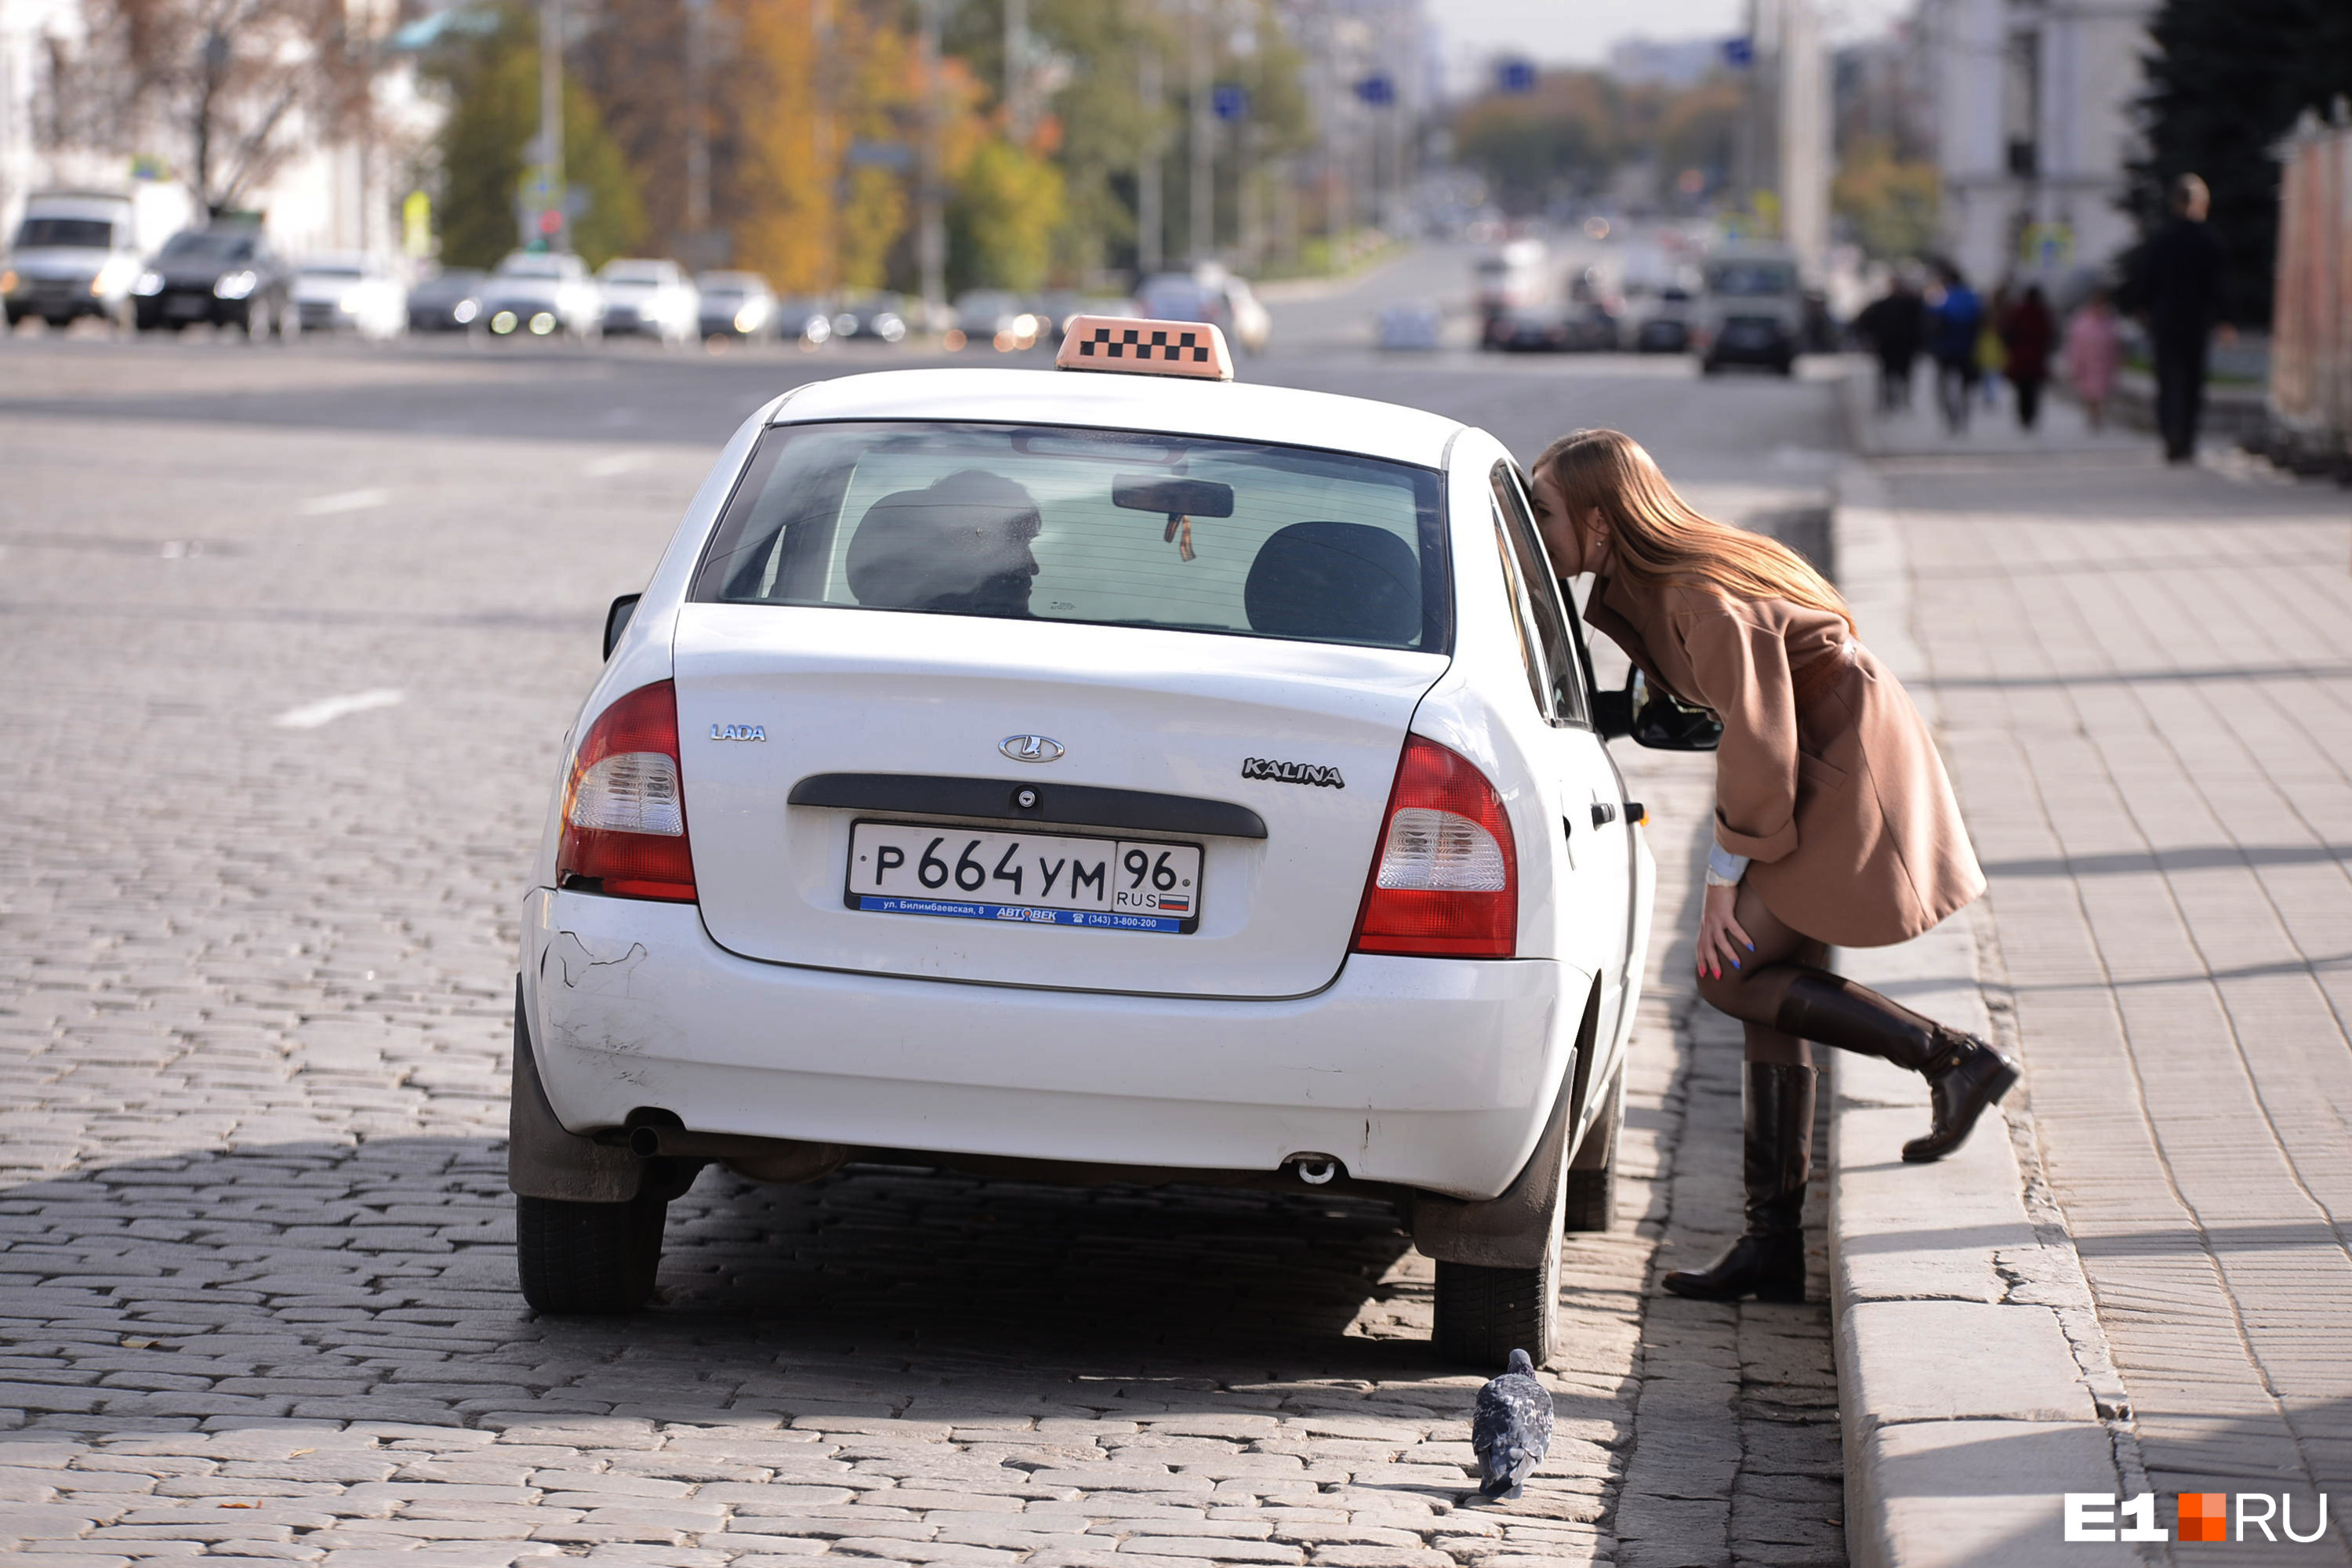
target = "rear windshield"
x: 1752, y: 280
x: 207, y: 247
x: 81, y: 233
x: 1100, y: 527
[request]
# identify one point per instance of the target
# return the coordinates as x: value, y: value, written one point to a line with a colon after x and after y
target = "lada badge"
x: 1031, y: 748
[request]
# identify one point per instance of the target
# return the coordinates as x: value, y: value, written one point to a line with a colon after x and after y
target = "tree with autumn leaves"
x: 810, y: 112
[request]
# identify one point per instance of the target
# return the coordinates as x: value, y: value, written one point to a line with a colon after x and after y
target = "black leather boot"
x: 1769, y: 1261
x: 1964, y: 1074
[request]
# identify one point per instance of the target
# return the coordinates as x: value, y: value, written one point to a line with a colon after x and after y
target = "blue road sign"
x: 1516, y: 76
x: 1377, y: 89
x: 1739, y: 53
x: 1230, y: 101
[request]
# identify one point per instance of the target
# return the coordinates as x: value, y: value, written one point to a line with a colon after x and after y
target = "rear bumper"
x: 1432, y: 1074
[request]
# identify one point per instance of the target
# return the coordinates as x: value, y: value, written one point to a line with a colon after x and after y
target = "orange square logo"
x: 2204, y: 1516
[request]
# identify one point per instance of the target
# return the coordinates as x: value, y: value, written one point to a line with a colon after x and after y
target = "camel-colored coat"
x: 1845, y: 812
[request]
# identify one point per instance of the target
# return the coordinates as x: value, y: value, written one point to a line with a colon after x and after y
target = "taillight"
x: 623, y: 811
x: 1446, y: 884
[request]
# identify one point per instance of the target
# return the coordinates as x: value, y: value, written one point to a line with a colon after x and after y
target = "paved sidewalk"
x: 2145, y: 680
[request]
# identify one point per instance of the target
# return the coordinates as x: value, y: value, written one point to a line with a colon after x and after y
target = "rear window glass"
x: 83, y: 233
x: 1752, y: 280
x: 1104, y: 528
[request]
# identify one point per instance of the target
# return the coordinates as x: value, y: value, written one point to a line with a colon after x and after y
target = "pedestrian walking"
x: 2094, y: 352
x: 1954, y: 316
x: 2178, y: 288
x: 1893, y: 325
x: 2026, y: 331
x: 1835, y: 822
x: 1991, y: 358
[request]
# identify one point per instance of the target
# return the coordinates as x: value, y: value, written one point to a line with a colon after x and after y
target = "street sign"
x: 1515, y: 76
x: 1377, y: 89
x: 879, y: 155
x: 1739, y: 53
x: 1230, y: 101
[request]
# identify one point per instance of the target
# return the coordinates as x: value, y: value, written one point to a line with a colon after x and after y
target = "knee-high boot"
x: 1964, y: 1074
x: 1769, y: 1261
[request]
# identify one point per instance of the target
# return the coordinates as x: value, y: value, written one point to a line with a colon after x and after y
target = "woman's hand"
x: 1721, y: 942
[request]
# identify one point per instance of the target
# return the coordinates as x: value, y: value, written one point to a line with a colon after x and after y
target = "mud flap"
x: 1514, y: 1229
x: 543, y: 1159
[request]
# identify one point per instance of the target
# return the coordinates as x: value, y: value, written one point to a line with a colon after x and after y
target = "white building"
x: 2034, y: 122
x: 330, y: 193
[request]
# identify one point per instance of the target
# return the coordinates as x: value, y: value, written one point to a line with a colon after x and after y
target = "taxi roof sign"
x: 1145, y: 348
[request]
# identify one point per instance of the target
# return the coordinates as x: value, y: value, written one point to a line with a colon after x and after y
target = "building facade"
x: 2034, y: 120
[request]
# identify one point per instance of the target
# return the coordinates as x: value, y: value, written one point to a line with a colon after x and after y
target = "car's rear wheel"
x: 1485, y: 1314
x: 1590, y: 1200
x: 582, y: 1259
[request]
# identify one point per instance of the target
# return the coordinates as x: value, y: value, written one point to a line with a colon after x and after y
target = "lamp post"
x: 554, y: 221
x: 1201, y: 238
x: 931, y: 235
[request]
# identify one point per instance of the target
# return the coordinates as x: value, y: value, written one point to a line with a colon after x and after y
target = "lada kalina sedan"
x: 1131, y: 776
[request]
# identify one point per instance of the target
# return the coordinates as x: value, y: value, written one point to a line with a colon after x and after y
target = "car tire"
x: 1589, y: 1199
x: 1485, y: 1314
x: 588, y: 1260
x: 1710, y: 367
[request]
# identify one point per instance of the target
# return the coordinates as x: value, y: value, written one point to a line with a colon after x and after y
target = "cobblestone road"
x: 256, y: 1303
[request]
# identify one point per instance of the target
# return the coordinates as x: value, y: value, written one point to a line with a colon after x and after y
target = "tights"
x: 1753, y: 993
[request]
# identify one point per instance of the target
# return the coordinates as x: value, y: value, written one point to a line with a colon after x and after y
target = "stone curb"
x: 1973, y: 1382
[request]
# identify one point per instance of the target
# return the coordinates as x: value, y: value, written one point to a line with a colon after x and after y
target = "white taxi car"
x: 1131, y: 776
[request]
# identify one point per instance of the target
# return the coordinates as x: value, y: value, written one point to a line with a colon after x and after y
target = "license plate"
x: 185, y: 305
x: 1026, y: 878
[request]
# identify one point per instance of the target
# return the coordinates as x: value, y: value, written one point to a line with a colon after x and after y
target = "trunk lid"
x: 769, y: 698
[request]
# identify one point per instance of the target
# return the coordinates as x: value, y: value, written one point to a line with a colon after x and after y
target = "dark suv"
x: 229, y: 276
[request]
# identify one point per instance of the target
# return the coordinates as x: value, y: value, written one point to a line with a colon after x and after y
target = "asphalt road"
x: 292, y: 637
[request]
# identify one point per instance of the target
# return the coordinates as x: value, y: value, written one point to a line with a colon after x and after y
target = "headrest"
x: 1344, y: 582
x: 947, y: 541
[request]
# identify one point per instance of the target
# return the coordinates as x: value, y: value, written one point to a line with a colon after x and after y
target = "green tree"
x: 1007, y: 209
x: 495, y: 82
x: 1563, y: 139
x: 1890, y: 202
x: 2225, y: 80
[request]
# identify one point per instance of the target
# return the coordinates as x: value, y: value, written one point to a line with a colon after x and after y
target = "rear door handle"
x: 1603, y: 813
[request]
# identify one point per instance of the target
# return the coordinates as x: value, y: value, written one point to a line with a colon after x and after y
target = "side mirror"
x: 616, y: 620
x: 1657, y: 720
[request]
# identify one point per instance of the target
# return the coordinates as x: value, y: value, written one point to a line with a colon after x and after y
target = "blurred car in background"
x: 227, y: 275
x: 448, y: 302
x: 737, y: 307
x: 539, y: 294
x: 75, y: 254
x: 1059, y: 306
x: 1665, y: 327
x: 999, y: 318
x: 652, y: 298
x: 1753, y: 312
x: 1208, y: 294
x: 1412, y: 327
x: 1509, y: 278
x: 1531, y: 329
x: 348, y: 293
x: 878, y: 318
x: 804, y: 320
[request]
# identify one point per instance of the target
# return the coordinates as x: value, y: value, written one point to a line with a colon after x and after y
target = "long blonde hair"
x: 1658, y: 537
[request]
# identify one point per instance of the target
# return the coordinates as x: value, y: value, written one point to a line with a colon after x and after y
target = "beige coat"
x: 1845, y: 811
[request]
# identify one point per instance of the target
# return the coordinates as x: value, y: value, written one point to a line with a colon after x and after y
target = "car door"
x: 1597, y: 902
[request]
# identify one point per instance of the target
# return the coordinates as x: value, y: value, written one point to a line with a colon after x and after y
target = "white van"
x: 76, y: 253
x: 1752, y: 310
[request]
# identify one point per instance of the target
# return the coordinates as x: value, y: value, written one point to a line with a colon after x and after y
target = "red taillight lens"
x: 623, y: 807
x: 1446, y: 882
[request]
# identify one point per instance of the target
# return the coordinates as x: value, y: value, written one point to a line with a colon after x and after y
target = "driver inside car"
x: 958, y: 547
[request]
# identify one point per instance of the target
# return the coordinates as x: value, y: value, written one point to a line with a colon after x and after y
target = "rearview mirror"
x: 1173, y: 498
x: 1655, y: 719
x: 616, y: 620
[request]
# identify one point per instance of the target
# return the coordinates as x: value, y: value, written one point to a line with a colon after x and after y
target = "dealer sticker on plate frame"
x: 1027, y: 879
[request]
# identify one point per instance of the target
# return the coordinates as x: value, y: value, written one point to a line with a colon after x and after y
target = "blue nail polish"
x: 1735, y: 963
x: 1751, y: 947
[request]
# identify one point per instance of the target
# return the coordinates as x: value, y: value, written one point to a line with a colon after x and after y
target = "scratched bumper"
x: 1431, y: 1073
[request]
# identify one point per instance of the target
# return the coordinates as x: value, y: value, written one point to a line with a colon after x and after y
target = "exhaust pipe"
x: 1315, y: 1170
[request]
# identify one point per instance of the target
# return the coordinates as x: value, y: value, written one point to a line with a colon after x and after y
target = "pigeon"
x: 1510, y: 1429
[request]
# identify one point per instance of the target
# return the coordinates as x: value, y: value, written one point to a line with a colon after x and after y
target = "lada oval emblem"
x: 1031, y: 748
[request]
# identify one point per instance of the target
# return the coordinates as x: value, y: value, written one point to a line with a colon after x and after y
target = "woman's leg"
x: 1768, y: 1261
x: 1784, y: 997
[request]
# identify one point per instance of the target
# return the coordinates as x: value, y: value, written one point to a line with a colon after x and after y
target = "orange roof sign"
x: 1145, y: 348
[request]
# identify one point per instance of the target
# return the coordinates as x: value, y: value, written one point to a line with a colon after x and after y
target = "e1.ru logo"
x: 2204, y: 1516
